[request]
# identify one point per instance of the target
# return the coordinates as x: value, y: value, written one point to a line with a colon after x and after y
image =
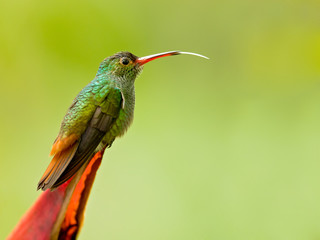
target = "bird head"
x: 126, y: 66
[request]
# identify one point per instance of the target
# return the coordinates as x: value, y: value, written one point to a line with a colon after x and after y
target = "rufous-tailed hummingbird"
x: 101, y: 112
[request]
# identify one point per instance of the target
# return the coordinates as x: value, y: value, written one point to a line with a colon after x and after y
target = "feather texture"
x: 56, y: 167
x: 72, y: 152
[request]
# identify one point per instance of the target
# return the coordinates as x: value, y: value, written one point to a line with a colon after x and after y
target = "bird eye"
x: 124, y: 61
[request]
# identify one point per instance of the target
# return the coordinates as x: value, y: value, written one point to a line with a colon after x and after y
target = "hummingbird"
x: 101, y: 112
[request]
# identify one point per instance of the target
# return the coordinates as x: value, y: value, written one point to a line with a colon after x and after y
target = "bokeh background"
x: 220, y: 149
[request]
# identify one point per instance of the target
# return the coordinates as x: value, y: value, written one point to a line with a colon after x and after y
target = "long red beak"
x: 143, y: 60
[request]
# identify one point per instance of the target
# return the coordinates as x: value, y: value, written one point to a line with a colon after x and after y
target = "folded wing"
x: 73, y: 152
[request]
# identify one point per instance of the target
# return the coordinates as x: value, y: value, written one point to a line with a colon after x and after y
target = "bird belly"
x: 119, y: 127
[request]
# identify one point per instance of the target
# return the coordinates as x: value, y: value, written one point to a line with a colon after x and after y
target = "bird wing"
x: 74, y: 151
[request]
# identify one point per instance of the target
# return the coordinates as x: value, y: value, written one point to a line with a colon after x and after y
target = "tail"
x: 59, y: 214
x: 57, y: 167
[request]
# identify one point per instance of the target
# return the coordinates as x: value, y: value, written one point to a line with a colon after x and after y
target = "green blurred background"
x: 220, y: 149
